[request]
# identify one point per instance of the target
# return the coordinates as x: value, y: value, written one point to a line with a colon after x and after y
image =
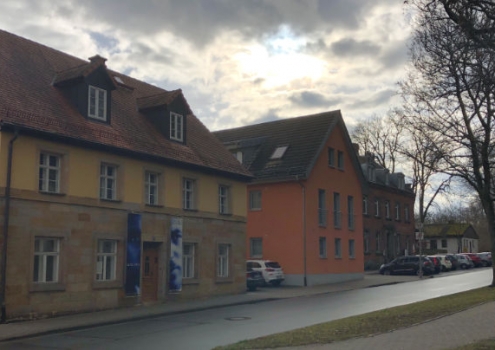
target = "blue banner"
x: 133, y: 259
x: 175, y: 280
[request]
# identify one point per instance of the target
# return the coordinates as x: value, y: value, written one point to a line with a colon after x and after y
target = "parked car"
x: 464, y: 262
x: 407, y: 265
x: 446, y: 264
x: 271, y: 270
x: 254, y: 279
x: 453, y: 260
x: 486, y: 258
x: 474, y: 258
x: 436, y: 263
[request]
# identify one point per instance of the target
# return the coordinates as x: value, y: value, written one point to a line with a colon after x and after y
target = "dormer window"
x: 176, y: 127
x: 97, y: 103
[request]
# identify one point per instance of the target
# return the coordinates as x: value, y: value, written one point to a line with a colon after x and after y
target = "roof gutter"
x: 6, y: 215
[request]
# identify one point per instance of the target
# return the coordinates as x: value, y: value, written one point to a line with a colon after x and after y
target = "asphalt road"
x: 207, y: 329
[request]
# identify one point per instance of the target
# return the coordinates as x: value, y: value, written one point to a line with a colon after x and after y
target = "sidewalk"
x: 18, y: 330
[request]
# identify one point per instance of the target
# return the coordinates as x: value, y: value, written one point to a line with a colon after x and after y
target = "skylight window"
x: 279, y: 152
x: 119, y: 80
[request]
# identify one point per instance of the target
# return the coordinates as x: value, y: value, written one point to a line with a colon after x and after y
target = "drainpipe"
x: 303, y: 191
x: 6, y: 227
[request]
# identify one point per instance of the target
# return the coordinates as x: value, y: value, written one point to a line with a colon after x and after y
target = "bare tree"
x: 450, y: 91
x: 378, y: 135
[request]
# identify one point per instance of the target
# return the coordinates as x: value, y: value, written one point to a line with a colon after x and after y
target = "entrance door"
x: 149, y: 287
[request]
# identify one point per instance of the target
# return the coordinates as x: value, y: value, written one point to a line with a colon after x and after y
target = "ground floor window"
x: 338, y: 248
x: 256, y: 247
x: 46, y: 260
x: 223, y: 260
x: 106, y: 260
x: 323, y: 247
x: 188, y: 260
x: 352, y: 252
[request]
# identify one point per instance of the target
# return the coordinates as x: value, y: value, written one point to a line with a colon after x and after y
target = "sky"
x: 238, y: 62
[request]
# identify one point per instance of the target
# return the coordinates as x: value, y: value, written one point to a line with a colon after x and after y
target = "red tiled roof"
x: 29, y: 100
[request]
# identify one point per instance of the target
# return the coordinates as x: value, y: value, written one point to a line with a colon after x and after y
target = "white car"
x: 446, y: 264
x: 271, y: 270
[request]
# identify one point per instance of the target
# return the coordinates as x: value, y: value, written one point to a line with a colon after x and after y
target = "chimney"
x: 98, y: 59
x: 356, y: 148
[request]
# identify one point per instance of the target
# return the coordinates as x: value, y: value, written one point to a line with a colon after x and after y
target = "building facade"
x: 112, y: 192
x: 388, y: 215
x: 451, y: 238
x: 304, y: 204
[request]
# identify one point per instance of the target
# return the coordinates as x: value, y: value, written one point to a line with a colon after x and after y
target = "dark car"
x: 486, y: 258
x: 254, y: 279
x: 404, y: 265
x: 453, y: 260
x: 436, y: 263
x: 474, y: 258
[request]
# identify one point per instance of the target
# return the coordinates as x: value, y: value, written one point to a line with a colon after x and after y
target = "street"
x: 207, y: 329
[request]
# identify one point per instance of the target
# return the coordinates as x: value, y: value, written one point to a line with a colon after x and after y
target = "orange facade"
x: 300, y: 221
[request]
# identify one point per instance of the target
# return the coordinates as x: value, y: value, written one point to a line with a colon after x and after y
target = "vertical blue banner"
x: 175, y: 280
x: 133, y: 259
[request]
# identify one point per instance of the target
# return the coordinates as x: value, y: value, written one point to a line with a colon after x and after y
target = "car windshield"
x: 273, y: 264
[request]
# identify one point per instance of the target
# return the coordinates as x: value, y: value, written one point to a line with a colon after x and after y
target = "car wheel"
x: 252, y: 288
x: 484, y: 263
x: 463, y: 266
x: 276, y: 283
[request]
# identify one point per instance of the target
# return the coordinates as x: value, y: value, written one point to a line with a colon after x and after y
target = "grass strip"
x: 488, y: 344
x: 371, y: 323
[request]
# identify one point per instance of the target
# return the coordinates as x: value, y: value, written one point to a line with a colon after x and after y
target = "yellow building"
x: 112, y: 193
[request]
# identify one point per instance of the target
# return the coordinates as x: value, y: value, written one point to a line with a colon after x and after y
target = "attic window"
x: 176, y: 127
x: 97, y: 103
x: 119, y: 80
x: 279, y: 152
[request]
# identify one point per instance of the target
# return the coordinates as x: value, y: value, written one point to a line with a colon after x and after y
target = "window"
x: 338, y: 248
x: 406, y: 213
x: 106, y: 260
x: 238, y: 155
x: 254, y: 200
x: 378, y: 244
x: 256, y: 247
x: 350, y: 212
x: 46, y: 260
x: 377, y: 208
x: 366, y: 242
x: 322, y: 212
x: 97, y: 103
x: 108, y: 182
x: 398, y: 244
x: 336, y: 210
x: 49, y: 173
x: 151, y: 188
x: 397, y: 211
x: 323, y: 247
x: 223, y: 260
x: 387, y: 209
x: 331, y: 157
x: 352, y: 253
x: 279, y: 152
x: 340, y: 159
x: 223, y: 199
x: 188, y: 253
x: 176, y: 127
x: 444, y: 243
x: 433, y: 244
x: 365, y: 205
x: 188, y: 197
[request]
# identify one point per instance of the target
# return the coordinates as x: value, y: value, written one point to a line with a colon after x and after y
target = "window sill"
x: 154, y: 205
x: 110, y: 200
x: 190, y: 281
x: 338, y: 258
x: 52, y: 193
x: 47, y: 287
x: 190, y: 210
x: 107, y: 284
x: 223, y: 280
x: 225, y: 214
x: 254, y: 209
x: 323, y: 258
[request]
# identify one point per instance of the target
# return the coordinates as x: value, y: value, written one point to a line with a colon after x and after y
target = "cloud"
x: 377, y: 99
x: 350, y: 47
x: 311, y: 99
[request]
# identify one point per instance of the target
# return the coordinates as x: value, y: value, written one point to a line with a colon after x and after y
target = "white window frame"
x: 365, y: 205
x: 397, y: 211
x: 151, y: 187
x: 322, y: 208
x: 176, y: 126
x: 99, y: 96
x: 108, y: 182
x: 188, y: 260
x: 106, y: 261
x: 340, y: 160
x: 255, y: 200
x: 188, y: 194
x: 223, y: 259
x: 46, y: 170
x: 352, y: 249
x: 387, y: 209
x: 350, y: 213
x: 337, y: 214
x: 223, y: 199
x: 256, y: 247
x: 331, y: 157
x: 322, y: 245
x: 366, y: 241
x: 41, y: 258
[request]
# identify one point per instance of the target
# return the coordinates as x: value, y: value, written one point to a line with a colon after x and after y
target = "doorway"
x: 150, y: 277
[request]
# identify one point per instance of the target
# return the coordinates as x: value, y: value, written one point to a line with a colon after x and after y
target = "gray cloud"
x: 379, y: 98
x: 350, y: 47
x: 313, y: 99
x: 395, y: 56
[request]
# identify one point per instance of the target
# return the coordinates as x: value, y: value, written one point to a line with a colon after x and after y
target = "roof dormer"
x: 88, y: 87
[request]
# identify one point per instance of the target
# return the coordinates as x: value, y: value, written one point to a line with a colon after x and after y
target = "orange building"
x: 305, y: 203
